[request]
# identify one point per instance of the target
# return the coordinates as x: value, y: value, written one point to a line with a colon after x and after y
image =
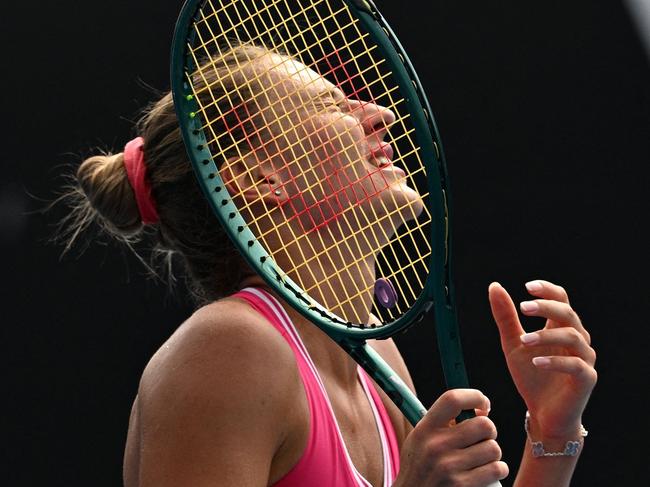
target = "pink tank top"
x: 325, y: 461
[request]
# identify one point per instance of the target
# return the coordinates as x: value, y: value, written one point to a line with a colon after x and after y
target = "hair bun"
x: 104, y: 181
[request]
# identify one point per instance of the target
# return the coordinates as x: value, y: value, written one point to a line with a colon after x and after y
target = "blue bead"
x: 538, y: 449
x: 572, y: 448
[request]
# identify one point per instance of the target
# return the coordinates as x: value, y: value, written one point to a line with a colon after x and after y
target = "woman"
x: 247, y: 392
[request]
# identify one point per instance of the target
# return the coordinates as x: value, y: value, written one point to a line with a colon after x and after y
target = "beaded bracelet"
x: 571, y: 449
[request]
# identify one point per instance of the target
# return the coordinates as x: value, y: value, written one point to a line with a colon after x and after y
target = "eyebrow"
x: 333, y: 92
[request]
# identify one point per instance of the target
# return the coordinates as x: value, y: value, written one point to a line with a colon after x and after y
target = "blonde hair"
x: 101, y: 192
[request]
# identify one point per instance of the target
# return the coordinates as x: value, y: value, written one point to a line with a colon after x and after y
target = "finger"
x: 581, y: 371
x: 451, y: 403
x: 482, y: 412
x: 556, y: 311
x: 505, y: 315
x: 485, y: 474
x: 477, y: 455
x: 553, y: 310
x: 565, y: 337
x: 475, y: 430
x: 547, y: 290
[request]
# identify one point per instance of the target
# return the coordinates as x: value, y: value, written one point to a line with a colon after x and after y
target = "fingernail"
x: 541, y: 361
x: 529, y: 338
x: 529, y: 306
x: 534, y: 286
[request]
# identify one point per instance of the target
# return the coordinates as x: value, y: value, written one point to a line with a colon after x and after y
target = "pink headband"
x: 136, y: 172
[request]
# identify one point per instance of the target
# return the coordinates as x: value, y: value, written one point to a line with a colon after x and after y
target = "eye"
x: 332, y: 100
x: 343, y: 104
x: 328, y: 104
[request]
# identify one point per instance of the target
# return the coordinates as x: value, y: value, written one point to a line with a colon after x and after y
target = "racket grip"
x: 394, y: 387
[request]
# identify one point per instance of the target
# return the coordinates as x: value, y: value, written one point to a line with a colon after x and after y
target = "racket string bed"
x: 334, y: 66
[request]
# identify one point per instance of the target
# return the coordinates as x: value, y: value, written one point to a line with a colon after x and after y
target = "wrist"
x: 567, y: 442
x: 542, y: 429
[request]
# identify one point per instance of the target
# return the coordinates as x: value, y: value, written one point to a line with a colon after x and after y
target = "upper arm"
x: 211, y: 402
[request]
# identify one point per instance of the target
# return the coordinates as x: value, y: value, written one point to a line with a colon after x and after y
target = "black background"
x: 544, y: 110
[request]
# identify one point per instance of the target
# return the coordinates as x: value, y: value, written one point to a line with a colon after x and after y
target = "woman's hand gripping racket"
x: 314, y: 143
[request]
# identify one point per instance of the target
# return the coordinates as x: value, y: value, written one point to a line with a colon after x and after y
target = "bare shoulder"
x: 219, y: 384
x: 221, y: 341
x: 224, y: 351
x: 220, y: 338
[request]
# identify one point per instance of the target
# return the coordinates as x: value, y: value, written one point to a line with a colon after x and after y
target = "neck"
x: 332, y: 362
x: 339, y: 279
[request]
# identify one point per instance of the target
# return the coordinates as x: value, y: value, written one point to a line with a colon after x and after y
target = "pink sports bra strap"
x: 325, y: 461
x: 387, y: 433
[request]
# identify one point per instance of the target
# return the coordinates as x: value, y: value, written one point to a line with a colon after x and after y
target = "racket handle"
x: 394, y: 386
x: 388, y: 380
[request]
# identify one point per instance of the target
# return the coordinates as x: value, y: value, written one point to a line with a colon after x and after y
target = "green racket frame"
x: 438, y: 292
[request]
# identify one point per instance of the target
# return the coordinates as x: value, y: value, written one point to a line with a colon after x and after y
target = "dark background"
x: 544, y: 109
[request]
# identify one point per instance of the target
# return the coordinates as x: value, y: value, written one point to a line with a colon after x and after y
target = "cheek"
x: 330, y: 173
x: 338, y: 155
x: 337, y: 141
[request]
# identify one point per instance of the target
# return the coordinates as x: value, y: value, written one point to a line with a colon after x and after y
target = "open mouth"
x: 382, y: 154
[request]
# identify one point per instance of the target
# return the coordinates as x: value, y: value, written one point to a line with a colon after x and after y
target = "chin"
x: 404, y: 197
x: 398, y: 195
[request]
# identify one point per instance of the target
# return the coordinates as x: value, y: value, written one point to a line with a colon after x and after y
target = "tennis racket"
x: 323, y: 215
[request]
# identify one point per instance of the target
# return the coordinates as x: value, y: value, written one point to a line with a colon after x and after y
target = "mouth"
x: 382, y: 154
x: 382, y: 157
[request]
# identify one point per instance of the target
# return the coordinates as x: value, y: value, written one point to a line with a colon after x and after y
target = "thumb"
x: 505, y: 315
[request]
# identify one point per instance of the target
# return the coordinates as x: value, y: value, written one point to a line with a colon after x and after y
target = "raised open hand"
x: 553, y: 368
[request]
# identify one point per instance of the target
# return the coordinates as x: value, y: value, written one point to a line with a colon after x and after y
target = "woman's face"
x: 325, y: 153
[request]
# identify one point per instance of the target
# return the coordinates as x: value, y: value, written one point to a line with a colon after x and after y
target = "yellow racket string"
x: 281, y: 117
x: 320, y: 297
x: 337, y: 268
x: 228, y: 26
x: 286, y: 115
x: 386, y: 90
x: 315, y: 286
x: 205, y: 46
x: 312, y: 152
x: 258, y: 14
x: 237, y: 146
x: 395, y: 160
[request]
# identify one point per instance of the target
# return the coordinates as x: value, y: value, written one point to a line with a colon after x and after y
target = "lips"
x: 398, y: 171
x: 382, y: 153
x: 382, y: 157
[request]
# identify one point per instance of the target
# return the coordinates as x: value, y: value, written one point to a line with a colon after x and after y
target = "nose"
x: 374, y: 118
